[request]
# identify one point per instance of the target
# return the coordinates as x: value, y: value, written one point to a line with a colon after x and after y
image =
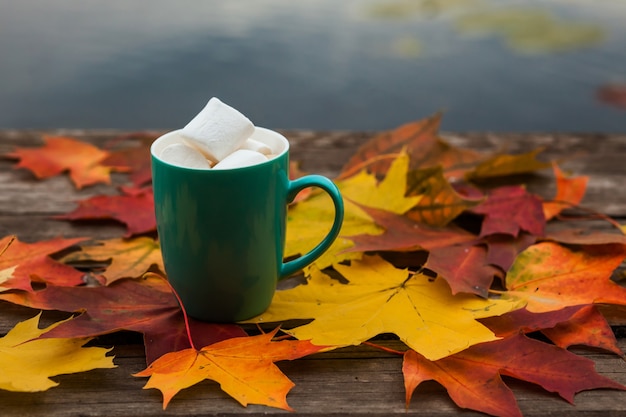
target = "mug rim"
x: 258, y: 131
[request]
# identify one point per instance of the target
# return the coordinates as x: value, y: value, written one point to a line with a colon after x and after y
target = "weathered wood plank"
x: 356, y: 381
x: 598, y: 156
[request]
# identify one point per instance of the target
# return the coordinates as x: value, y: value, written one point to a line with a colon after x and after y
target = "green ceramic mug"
x: 222, y: 232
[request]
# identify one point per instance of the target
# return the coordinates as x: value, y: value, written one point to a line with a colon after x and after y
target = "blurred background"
x: 489, y: 65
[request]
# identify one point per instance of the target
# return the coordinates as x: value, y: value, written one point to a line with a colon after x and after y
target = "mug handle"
x: 329, y: 187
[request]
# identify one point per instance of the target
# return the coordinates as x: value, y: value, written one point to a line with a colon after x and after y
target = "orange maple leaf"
x: 59, y: 154
x: 243, y: 366
x: 421, y: 140
x: 22, y: 263
x: 569, y: 192
x: 550, y: 276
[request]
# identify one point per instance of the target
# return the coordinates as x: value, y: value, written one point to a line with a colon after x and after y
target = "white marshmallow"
x: 184, y: 156
x: 241, y: 158
x: 255, y: 145
x: 218, y: 130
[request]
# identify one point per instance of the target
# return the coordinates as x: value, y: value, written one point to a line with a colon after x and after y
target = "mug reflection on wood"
x: 222, y: 232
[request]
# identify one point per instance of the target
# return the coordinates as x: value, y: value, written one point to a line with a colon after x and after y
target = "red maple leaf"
x: 135, y: 159
x: 503, y: 249
x: 134, y: 208
x: 464, y: 267
x: 509, y: 210
x: 588, y: 327
x: 574, y: 325
x: 473, y: 376
x: 404, y: 234
x: 143, y: 305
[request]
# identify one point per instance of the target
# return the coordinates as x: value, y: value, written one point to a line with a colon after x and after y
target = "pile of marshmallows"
x: 217, y: 138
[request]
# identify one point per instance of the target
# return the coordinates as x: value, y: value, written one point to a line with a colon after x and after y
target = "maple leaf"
x: 22, y: 263
x: 509, y: 210
x: 309, y: 220
x: 464, y: 267
x: 134, y: 208
x: 59, y: 154
x: 388, y: 194
x: 569, y: 192
x: 550, y: 276
x: 403, y: 234
x: 135, y: 159
x: 143, y: 305
x: 574, y: 325
x: 129, y: 258
x: 524, y: 321
x: 473, y: 377
x: 454, y: 254
x: 380, y: 298
x: 27, y: 363
x: 503, y: 249
x: 440, y: 202
x: 586, y: 327
x: 421, y: 141
x: 505, y: 165
x: 243, y: 366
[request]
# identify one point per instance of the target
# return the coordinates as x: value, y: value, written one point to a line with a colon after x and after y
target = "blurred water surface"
x: 498, y: 65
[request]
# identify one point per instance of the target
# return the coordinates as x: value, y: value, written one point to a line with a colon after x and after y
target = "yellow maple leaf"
x: 27, y: 363
x: 380, y: 298
x: 243, y: 366
x: 505, y: 165
x: 309, y: 220
x: 130, y: 258
x: 388, y: 195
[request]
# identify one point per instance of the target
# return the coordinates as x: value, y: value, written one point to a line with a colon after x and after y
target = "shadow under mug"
x: 222, y: 232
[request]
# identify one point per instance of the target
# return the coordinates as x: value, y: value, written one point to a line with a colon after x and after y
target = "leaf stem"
x: 182, y: 308
x: 11, y: 240
x: 384, y: 348
x: 283, y: 337
x: 593, y: 214
x: 365, y: 163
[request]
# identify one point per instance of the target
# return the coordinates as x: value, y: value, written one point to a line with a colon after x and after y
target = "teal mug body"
x: 222, y: 232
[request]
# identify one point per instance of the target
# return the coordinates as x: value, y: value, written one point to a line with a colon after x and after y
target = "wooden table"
x: 352, y: 381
